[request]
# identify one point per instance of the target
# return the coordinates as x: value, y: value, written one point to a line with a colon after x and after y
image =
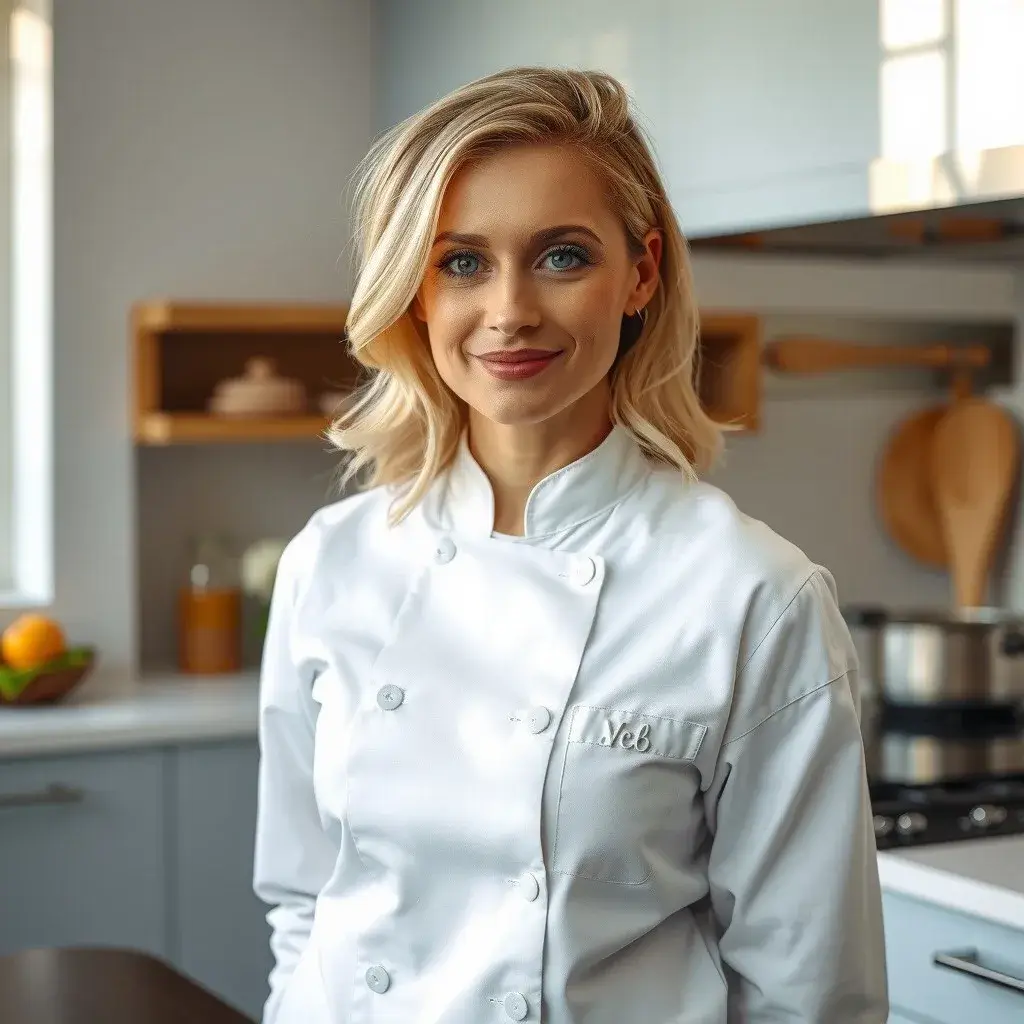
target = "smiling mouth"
x: 517, y: 364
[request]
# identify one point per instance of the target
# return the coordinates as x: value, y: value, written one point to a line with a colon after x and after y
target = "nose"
x: 512, y: 305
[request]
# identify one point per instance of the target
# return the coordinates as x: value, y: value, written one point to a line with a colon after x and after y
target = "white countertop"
x: 158, y: 709
x: 983, y: 877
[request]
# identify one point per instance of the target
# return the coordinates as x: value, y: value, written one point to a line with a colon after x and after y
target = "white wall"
x: 202, y: 150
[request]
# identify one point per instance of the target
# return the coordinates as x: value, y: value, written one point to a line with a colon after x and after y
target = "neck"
x: 516, y: 457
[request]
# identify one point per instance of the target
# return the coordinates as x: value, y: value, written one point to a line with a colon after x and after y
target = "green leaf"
x: 14, y: 681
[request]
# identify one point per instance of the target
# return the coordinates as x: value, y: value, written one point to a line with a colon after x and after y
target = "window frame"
x: 26, y: 340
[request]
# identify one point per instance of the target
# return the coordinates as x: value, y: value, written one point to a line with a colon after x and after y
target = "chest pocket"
x: 627, y: 794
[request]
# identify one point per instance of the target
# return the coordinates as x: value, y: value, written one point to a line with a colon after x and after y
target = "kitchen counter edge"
x: 155, y: 710
x: 983, y: 877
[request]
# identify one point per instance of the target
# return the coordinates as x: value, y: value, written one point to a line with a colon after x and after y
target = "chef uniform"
x: 607, y: 772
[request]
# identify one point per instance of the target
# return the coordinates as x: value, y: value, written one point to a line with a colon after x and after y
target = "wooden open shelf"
x: 183, y: 428
x: 729, y: 383
x: 182, y: 350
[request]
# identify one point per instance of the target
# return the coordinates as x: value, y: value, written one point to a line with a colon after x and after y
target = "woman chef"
x: 550, y: 730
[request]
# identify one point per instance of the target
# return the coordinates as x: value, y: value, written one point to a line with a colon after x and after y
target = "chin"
x: 516, y: 414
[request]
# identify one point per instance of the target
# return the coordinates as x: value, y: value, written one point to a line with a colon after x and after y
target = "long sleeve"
x: 792, y: 869
x: 294, y: 856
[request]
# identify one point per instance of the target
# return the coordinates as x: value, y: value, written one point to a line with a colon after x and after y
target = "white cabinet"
x: 767, y: 113
x: 149, y: 850
x: 759, y: 91
x: 761, y: 113
x: 922, y: 990
x: 82, y: 849
x: 223, y: 939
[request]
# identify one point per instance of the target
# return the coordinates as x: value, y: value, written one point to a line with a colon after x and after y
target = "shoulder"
x: 338, y: 534
x: 737, y: 555
x: 772, y: 606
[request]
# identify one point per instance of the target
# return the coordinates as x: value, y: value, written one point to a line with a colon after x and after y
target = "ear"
x: 647, y: 271
x: 416, y: 308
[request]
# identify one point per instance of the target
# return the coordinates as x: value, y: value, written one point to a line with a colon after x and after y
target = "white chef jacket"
x: 610, y: 772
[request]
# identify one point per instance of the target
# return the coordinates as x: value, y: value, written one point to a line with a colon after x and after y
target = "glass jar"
x: 210, y: 610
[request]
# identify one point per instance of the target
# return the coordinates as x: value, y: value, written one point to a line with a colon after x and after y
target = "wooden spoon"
x: 904, y: 491
x: 904, y: 485
x: 975, y: 459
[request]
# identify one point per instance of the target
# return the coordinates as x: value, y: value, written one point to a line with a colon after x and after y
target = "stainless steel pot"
x: 923, y: 760
x: 917, y: 748
x: 929, y: 657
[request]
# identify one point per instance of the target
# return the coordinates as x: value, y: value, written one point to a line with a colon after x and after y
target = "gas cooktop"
x: 939, y: 773
x: 940, y: 812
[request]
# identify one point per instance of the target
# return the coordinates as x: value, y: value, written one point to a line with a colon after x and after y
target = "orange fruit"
x: 32, y: 640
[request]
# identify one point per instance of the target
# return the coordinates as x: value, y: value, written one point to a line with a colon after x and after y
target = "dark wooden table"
x: 103, y: 986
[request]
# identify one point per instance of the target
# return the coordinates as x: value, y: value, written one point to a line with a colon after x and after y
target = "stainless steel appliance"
x: 934, y: 657
x: 945, y: 772
x: 924, y: 746
x: 963, y: 809
x: 943, y: 723
x: 983, y: 228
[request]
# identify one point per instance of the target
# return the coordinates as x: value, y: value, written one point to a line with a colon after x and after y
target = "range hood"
x: 956, y: 207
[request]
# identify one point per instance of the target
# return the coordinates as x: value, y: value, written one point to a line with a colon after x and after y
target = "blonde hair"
x: 405, y: 424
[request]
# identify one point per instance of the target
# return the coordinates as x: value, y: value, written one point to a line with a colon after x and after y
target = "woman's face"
x: 527, y: 283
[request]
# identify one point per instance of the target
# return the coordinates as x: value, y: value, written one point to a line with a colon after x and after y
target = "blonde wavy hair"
x: 404, y: 426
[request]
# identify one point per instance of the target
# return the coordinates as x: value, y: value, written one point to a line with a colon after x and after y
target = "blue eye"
x: 573, y: 253
x: 457, y: 259
x: 569, y: 257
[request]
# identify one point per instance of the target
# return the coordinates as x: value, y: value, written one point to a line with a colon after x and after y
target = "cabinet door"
x: 222, y: 936
x: 916, y: 932
x: 769, y: 112
x: 761, y: 113
x: 82, y: 841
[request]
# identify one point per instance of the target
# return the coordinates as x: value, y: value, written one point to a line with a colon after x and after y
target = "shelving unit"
x: 181, y: 428
x: 729, y: 383
x: 181, y: 350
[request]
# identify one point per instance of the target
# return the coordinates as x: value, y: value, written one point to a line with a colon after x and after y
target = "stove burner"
x: 907, y: 815
x: 999, y: 789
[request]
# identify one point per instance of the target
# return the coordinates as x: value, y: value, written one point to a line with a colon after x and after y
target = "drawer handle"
x: 55, y: 793
x: 966, y: 961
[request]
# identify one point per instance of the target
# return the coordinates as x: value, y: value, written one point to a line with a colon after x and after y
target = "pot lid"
x: 950, y: 618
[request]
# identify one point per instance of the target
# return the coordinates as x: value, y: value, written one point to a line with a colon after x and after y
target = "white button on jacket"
x: 607, y: 772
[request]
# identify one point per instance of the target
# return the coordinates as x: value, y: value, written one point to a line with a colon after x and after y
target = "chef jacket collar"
x: 591, y: 484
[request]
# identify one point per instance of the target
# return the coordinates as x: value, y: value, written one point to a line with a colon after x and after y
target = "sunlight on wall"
x: 952, y: 114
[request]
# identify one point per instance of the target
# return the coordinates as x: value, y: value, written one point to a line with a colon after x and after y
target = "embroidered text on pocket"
x: 627, y: 794
x: 646, y: 734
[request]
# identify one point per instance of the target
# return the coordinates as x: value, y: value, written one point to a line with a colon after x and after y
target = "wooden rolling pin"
x: 816, y: 355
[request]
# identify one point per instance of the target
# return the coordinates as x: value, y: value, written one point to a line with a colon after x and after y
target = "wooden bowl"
x: 54, y: 685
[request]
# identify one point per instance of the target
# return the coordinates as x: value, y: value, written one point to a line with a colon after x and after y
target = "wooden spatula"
x: 975, y: 459
x: 905, y: 488
x: 905, y: 492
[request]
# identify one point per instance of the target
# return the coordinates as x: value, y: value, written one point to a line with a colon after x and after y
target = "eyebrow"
x: 537, y: 238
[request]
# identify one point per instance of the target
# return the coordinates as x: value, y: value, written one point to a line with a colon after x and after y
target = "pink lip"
x: 517, y: 364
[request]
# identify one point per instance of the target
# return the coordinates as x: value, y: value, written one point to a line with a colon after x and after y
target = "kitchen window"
x: 26, y: 373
